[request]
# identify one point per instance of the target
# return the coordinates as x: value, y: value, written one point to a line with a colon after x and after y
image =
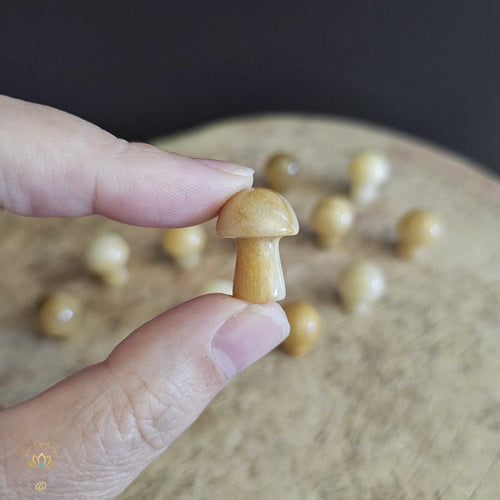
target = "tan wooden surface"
x: 402, y: 404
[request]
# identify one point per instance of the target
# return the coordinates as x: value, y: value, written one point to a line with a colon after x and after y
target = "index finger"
x: 55, y: 164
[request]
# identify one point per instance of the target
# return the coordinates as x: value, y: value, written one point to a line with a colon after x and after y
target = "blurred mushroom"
x: 185, y: 245
x: 331, y: 219
x: 281, y: 171
x: 305, y: 328
x: 218, y: 286
x: 417, y: 228
x: 59, y: 315
x: 360, y: 284
x: 367, y: 171
x: 107, y: 256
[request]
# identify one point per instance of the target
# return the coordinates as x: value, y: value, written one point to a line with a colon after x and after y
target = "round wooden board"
x: 404, y: 403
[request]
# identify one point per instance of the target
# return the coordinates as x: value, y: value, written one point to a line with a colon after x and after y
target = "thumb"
x: 110, y: 420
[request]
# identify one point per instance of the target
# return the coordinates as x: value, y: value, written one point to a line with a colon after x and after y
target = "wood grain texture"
x: 402, y: 404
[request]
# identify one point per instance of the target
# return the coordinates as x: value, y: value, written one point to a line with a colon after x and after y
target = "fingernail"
x: 231, y: 168
x: 246, y: 337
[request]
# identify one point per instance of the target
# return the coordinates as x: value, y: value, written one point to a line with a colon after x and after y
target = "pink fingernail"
x: 231, y: 168
x: 248, y: 336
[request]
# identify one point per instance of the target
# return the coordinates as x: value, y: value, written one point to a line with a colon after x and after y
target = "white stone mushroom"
x: 107, y: 256
x: 360, y: 284
x: 217, y: 286
x: 185, y: 245
x: 368, y: 171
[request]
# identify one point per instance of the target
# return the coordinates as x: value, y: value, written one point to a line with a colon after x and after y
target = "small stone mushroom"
x: 217, y: 286
x: 360, y: 284
x: 367, y: 171
x: 59, y: 315
x: 185, y: 245
x: 107, y: 256
x: 417, y: 228
x: 305, y: 328
x: 281, y: 170
x: 331, y: 219
x: 257, y: 218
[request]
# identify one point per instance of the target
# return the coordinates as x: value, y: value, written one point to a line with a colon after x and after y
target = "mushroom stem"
x: 363, y: 193
x: 258, y: 276
x: 189, y: 261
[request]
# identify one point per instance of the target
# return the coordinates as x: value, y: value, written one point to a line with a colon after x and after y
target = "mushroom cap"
x: 419, y: 227
x: 361, y: 281
x: 109, y: 251
x: 305, y: 327
x: 60, y: 314
x: 369, y: 168
x: 218, y: 286
x: 257, y: 213
x: 280, y: 171
x: 184, y: 240
x: 332, y: 215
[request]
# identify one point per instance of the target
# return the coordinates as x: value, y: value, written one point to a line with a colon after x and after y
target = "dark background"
x: 140, y: 69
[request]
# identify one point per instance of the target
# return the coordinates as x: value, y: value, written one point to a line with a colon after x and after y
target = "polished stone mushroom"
x: 331, y: 219
x: 305, y: 328
x: 59, y: 315
x: 217, y: 286
x: 367, y: 171
x: 185, y: 245
x: 360, y: 284
x: 107, y: 256
x: 257, y: 218
x: 417, y: 228
x: 281, y: 171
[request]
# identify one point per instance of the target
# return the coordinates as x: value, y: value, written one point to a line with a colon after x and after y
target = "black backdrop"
x: 139, y: 69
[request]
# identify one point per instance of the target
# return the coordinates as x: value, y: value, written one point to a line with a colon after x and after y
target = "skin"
x: 112, y: 419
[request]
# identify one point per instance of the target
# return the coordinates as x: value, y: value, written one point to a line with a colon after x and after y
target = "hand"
x: 111, y: 419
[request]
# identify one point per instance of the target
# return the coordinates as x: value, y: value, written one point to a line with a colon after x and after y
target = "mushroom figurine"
x: 185, y: 245
x: 107, y: 256
x: 281, y: 171
x: 417, y: 228
x: 257, y: 218
x: 331, y: 219
x: 360, y: 284
x: 367, y: 171
x: 305, y: 328
x: 59, y: 315
x: 217, y: 286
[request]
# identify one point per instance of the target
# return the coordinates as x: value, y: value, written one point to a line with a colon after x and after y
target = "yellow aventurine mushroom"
x: 59, y: 315
x: 257, y: 218
x: 331, y: 219
x: 107, y: 256
x: 367, y: 171
x: 218, y: 286
x: 185, y: 245
x: 417, y: 228
x: 360, y: 284
x: 281, y: 171
x: 305, y: 328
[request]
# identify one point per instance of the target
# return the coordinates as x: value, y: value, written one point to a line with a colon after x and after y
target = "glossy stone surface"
x: 305, y: 327
x: 107, y: 256
x: 257, y: 218
x: 281, y: 171
x: 360, y: 284
x: 417, y: 228
x: 331, y: 219
x: 217, y: 286
x: 59, y: 315
x: 185, y: 245
x: 367, y: 172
